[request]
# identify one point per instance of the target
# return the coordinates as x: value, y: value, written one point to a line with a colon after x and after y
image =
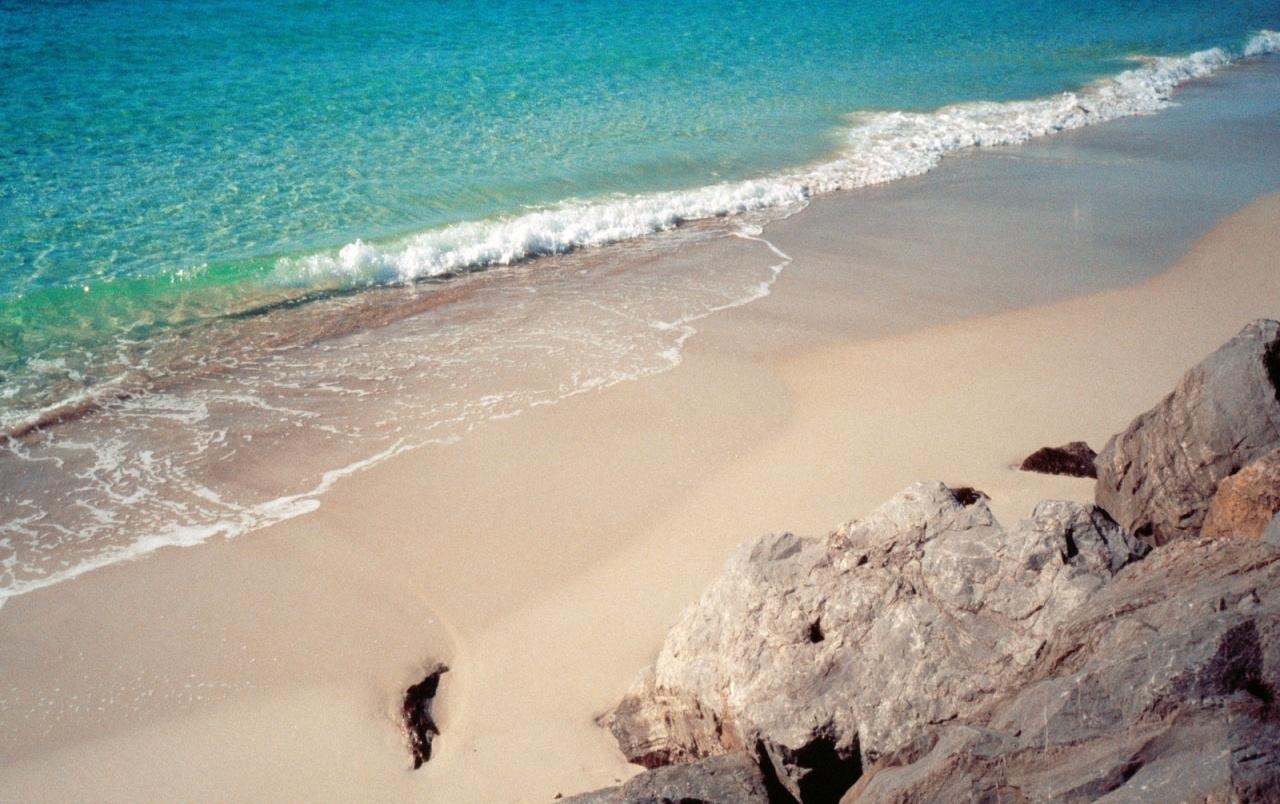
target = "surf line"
x: 674, y: 354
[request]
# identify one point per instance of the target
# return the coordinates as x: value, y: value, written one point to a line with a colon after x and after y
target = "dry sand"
x: 544, y: 556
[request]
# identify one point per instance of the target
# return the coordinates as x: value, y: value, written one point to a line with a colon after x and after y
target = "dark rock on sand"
x: 726, y: 779
x: 418, y: 721
x: 1246, y: 502
x: 1162, y: 687
x: 1074, y: 459
x: 825, y: 655
x: 1158, y: 476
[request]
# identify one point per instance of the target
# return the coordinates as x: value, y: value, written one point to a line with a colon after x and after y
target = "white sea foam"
x: 885, y: 146
x: 567, y: 226
x: 248, y: 519
x: 237, y: 520
x: 880, y: 147
x: 1264, y: 43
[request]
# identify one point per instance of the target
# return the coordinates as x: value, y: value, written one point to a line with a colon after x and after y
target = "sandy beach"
x: 543, y: 557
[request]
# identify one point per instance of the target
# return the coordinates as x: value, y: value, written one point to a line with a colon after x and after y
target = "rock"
x: 1074, y: 459
x: 1247, y: 501
x: 1272, y: 534
x: 728, y: 779
x: 1158, y: 476
x: 416, y: 709
x: 655, y: 727
x: 823, y: 655
x: 1152, y: 691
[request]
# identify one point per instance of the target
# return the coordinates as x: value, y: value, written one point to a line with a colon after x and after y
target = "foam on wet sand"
x: 543, y: 556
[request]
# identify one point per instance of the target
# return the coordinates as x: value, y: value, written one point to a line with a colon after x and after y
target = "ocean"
x: 249, y: 248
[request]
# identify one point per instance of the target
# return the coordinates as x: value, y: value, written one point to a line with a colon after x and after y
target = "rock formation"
x: 1074, y: 459
x: 1272, y: 533
x: 1157, y: 477
x: 1245, y: 502
x: 732, y: 779
x: 925, y: 652
x: 1161, y: 688
x: 821, y: 656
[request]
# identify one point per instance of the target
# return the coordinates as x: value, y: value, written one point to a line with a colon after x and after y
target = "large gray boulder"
x: 729, y: 779
x: 823, y: 655
x: 1246, y: 502
x: 1161, y: 688
x: 1158, y: 476
x: 1271, y: 535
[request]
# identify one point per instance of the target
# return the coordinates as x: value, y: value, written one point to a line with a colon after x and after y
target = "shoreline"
x: 544, y: 557
x: 532, y: 669
x: 864, y: 160
x: 1113, y: 263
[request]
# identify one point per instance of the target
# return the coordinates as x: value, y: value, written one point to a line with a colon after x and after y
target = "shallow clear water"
x: 206, y: 208
x: 161, y: 161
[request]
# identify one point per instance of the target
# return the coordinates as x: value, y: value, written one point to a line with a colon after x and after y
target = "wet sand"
x: 543, y: 556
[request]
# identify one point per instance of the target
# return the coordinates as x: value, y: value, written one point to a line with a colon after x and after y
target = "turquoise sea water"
x: 164, y: 164
x: 240, y: 242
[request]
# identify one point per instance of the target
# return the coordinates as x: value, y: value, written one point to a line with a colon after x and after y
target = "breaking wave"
x: 879, y: 147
